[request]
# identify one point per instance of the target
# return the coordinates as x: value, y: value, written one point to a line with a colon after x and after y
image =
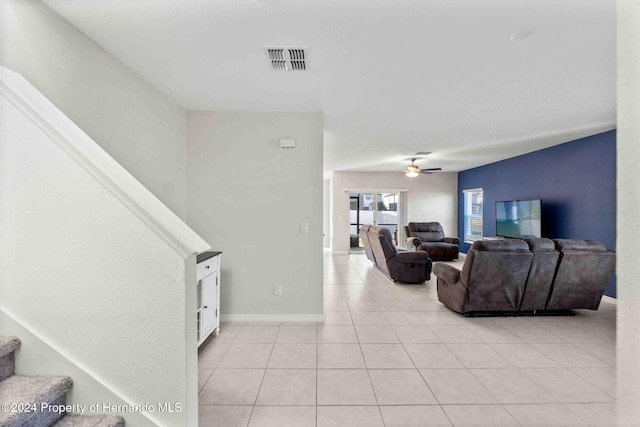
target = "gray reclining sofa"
x: 527, y: 275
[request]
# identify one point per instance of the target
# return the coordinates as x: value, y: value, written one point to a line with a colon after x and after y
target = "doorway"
x: 374, y: 208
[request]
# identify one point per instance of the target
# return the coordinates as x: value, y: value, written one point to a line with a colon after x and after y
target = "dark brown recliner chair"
x: 584, y: 269
x: 406, y: 267
x: 543, y: 268
x: 493, y: 277
x: 429, y: 237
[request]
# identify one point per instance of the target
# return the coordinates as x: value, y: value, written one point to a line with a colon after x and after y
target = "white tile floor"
x: 391, y: 355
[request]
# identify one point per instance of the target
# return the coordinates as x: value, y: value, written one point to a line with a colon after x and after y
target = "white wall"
x: 87, y: 273
x: 247, y: 197
x: 628, y: 206
x: 136, y: 124
x: 430, y: 198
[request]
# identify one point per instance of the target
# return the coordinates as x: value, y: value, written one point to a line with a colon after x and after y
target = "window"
x: 472, y: 214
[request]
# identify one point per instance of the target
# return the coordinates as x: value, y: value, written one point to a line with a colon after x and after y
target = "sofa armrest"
x: 413, y: 257
x: 446, y: 272
x: 453, y: 240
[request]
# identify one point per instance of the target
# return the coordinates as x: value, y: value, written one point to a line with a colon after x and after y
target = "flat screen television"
x: 519, y: 218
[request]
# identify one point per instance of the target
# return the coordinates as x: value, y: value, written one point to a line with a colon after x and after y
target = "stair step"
x: 31, y: 392
x: 77, y: 420
x: 8, y: 346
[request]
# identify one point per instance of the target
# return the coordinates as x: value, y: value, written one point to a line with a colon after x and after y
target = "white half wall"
x: 248, y: 198
x: 135, y: 123
x: 430, y: 198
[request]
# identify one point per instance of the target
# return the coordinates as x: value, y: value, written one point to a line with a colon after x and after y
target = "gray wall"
x: 247, y: 197
x: 132, y: 121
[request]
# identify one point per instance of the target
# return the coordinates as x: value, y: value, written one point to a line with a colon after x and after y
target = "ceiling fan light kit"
x: 414, y: 170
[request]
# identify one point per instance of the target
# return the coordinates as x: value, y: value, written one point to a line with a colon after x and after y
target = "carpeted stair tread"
x: 30, y: 390
x: 78, y: 420
x: 8, y: 345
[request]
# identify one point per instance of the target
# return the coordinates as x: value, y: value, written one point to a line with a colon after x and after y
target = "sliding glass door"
x: 387, y: 213
x: 379, y: 209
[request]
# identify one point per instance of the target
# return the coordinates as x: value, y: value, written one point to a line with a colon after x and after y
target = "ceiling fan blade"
x: 429, y: 171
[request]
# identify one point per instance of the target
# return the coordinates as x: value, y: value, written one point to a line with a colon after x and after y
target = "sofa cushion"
x: 506, y: 245
x: 415, y: 257
x: 540, y: 244
x: 565, y: 245
x: 439, y: 251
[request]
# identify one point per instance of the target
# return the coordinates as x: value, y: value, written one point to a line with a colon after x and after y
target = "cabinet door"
x: 208, y: 314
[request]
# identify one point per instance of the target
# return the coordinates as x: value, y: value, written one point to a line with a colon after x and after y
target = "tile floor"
x: 391, y: 355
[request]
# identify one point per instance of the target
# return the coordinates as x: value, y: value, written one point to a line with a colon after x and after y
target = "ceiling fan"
x: 413, y: 170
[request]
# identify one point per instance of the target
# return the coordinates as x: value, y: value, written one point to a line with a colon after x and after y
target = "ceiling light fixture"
x: 522, y: 34
x: 413, y: 170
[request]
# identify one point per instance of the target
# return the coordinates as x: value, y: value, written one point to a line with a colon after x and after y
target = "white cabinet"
x: 208, y: 275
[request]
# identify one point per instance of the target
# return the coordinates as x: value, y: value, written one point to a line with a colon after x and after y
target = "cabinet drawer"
x: 207, y: 267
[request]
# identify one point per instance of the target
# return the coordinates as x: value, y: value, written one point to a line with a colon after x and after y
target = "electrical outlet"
x: 304, y: 228
x: 277, y: 290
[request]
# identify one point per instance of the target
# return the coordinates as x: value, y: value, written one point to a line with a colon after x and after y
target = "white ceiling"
x: 392, y: 77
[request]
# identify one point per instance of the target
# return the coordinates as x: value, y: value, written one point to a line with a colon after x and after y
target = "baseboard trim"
x: 269, y: 318
x: 340, y: 252
x: 610, y: 300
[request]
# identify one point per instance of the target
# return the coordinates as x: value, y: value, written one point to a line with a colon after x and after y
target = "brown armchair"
x: 429, y: 237
x: 406, y: 267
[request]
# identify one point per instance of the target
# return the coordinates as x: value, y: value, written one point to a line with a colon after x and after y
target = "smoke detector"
x: 286, y: 58
x: 522, y: 34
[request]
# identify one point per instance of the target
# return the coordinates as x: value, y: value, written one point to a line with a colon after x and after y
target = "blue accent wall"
x: 576, y: 182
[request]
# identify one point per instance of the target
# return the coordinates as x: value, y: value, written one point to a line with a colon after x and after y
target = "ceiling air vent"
x: 286, y: 59
x: 423, y: 153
